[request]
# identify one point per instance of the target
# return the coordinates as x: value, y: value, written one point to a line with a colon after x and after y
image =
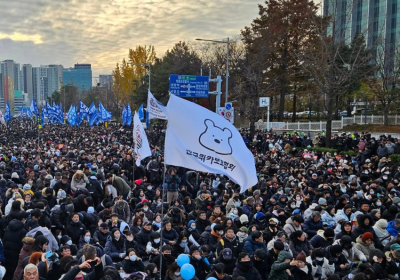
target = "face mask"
x: 217, y: 179
x: 215, y: 194
x: 298, y: 198
x: 237, y: 203
x: 293, y: 206
x: 235, y: 212
x: 320, y: 259
x: 59, y: 236
x: 193, y: 227
x: 387, y: 172
x: 272, y: 225
x: 129, y: 239
x: 149, y: 188
x: 385, y: 177
x: 366, y: 172
x: 87, y: 239
x: 183, y: 242
x: 378, y: 203
x: 177, y: 273
x: 157, y: 240
x: 241, y: 234
x: 246, y: 264
x: 221, y: 233
x: 371, y: 192
x: 145, y: 208
x: 133, y: 258
x: 69, y: 242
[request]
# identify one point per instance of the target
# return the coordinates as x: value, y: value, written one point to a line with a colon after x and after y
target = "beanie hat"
x: 193, y: 248
x: 345, y: 240
x: 27, y: 187
x: 321, y: 201
x: 14, y: 175
x: 336, y: 249
x: 256, y: 192
x: 227, y: 253
x: 259, y: 215
x: 301, y: 257
x: 90, y: 210
x: 61, y: 194
x: 243, y: 218
x: 70, y: 208
x: 278, y: 245
x: 329, y: 233
x: 367, y: 236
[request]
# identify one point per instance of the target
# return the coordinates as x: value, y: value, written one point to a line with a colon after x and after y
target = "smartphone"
x: 93, y: 263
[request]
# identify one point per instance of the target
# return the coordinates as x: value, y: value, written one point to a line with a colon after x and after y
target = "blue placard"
x: 189, y: 86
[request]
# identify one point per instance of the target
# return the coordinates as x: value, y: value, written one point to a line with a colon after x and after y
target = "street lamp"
x: 227, y: 61
x: 144, y: 64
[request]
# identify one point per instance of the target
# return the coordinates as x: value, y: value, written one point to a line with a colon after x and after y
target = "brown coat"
x: 25, y: 251
x: 214, y: 217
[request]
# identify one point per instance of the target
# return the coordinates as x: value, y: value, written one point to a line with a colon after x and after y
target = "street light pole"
x: 227, y: 62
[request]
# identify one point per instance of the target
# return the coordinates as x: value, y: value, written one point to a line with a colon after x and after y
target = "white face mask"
x: 149, y: 188
x: 293, y: 206
x: 193, y: 227
x: 221, y: 232
x: 157, y: 240
x: 129, y: 239
x: 87, y: 239
x: 69, y: 242
x: 385, y: 177
x: 237, y: 203
x: 59, y: 236
x: 177, y: 273
x: 378, y: 203
x: 235, y: 212
x: 320, y: 259
x: 366, y: 172
x: 133, y: 258
x: 145, y: 208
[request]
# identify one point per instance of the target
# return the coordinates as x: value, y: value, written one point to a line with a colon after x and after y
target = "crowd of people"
x: 74, y: 205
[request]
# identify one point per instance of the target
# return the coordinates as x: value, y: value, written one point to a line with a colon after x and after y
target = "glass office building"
x: 80, y: 76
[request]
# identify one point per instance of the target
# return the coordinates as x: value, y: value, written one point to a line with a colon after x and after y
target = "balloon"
x: 187, y: 271
x: 182, y: 259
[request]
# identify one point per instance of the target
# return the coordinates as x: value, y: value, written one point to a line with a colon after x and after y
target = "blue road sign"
x: 189, y: 86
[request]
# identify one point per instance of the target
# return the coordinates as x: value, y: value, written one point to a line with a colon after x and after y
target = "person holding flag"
x: 34, y: 108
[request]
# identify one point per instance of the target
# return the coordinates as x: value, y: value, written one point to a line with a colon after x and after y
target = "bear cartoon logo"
x: 216, y: 139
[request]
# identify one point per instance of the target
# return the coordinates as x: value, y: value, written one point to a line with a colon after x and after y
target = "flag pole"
x: 162, y: 217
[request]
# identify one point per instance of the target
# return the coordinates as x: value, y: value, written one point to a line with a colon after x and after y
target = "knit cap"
x: 367, y: 236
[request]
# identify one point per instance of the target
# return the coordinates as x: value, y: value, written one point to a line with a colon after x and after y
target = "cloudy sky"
x: 100, y: 32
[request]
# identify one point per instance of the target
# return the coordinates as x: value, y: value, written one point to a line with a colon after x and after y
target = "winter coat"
x: 362, y: 228
x: 301, y: 274
x: 171, y: 235
x: 233, y: 244
x: 381, y: 231
x: 75, y: 231
x: 12, y: 241
x: 328, y: 219
x: 364, y: 248
x: 278, y: 269
x: 300, y: 246
x: 173, y: 182
x: 290, y: 227
x: 25, y: 251
x: 120, y: 185
x: 100, y: 237
x: 142, y: 238
x: 78, y: 184
x: 53, y: 244
x: 130, y: 266
x: 246, y: 272
x: 97, y: 273
x: 391, y: 228
x: 251, y: 246
x: 319, y: 240
x: 201, y: 266
x: 340, y: 215
x: 311, y: 227
x: 122, y: 208
x: 382, y: 151
x: 213, y: 240
x: 351, y: 254
x: 113, y: 250
x: 327, y: 269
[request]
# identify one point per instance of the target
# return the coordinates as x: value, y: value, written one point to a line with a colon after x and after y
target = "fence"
x: 336, y: 125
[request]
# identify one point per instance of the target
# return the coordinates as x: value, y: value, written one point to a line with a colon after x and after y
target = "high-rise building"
x: 80, y: 76
x: 28, y: 83
x: 377, y: 20
x: 36, y: 85
x: 105, y: 80
x: 13, y: 70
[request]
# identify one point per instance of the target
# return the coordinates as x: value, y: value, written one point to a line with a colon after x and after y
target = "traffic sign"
x: 189, y: 86
x: 264, y: 101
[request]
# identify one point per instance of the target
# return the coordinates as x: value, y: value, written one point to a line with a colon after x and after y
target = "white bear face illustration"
x: 216, y: 139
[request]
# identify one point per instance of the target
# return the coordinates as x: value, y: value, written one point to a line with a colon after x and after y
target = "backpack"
x: 91, y: 188
x: 137, y: 276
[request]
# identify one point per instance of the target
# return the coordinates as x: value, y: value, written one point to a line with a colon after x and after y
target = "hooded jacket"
x: 12, y: 243
x: 364, y: 248
x: 381, y: 231
x: 290, y: 227
x: 248, y: 272
x: 362, y: 228
x: 311, y: 227
x: 327, y: 269
x: 352, y: 253
x: 278, y: 269
x: 391, y: 228
x: 251, y: 246
x: 122, y: 208
x: 320, y: 241
x: 25, y: 252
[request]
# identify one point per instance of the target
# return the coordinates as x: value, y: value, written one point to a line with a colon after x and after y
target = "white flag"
x: 142, y: 148
x: 2, y: 120
x: 199, y: 139
x: 155, y: 109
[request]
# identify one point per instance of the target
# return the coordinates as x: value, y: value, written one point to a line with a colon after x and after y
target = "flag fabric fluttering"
x: 7, y: 113
x: 128, y: 115
x: 83, y: 109
x: 71, y: 117
x: 93, y: 117
x: 42, y: 116
x: 141, y: 143
x: 105, y: 115
x: 155, y: 109
x: 34, y: 108
x: 124, y: 116
x: 141, y: 113
x: 213, y: 145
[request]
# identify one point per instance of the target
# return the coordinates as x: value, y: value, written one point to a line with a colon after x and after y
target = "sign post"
x: 264, y: 102
x: 189, y: 86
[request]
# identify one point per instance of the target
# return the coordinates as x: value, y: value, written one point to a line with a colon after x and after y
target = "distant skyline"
x: 66, y: 32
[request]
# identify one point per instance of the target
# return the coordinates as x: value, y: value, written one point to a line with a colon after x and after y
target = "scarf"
x: 185, y: 247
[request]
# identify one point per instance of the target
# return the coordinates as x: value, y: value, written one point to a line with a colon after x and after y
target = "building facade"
x: 80, y: 76
x: 28, y: 83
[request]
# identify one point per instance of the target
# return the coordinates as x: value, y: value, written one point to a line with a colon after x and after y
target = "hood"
x: 377, y: 253
x: 3, y: 183
x: 396, y: 200
x: 321, y: 233
x: 284, y: 255
x: 191, y: 222
x: 359, y: 240
x: 381, y: 224
x: 28, y: 240
x: 122, y: 226
x: 15, y: 225
x: 362, y: 218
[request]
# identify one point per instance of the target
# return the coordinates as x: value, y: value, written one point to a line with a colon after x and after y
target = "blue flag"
x: 7, y: 113
x: 83, y: 109
x: 93, y: 117
x: 21, y: 113
x: 141, y: 113
x: 71, y: 117
x: 128, y: 115
x: 60, y: 114
x: 104, y: 114
x: 51, y: 113
x: 34, y: 108
x: 42, y: 116
x: 124, y: 116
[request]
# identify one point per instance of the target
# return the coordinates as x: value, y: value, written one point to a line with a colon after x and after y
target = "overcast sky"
x: 100, y: 32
